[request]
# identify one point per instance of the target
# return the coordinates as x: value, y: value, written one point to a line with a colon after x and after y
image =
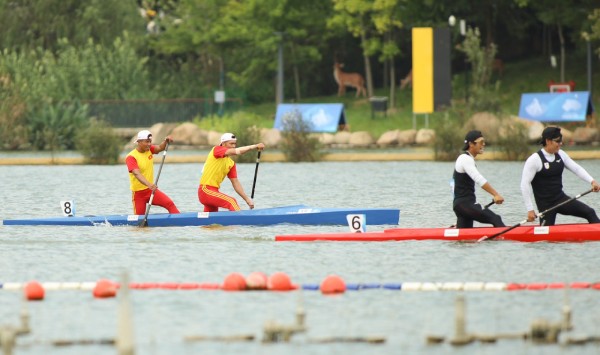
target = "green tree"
x: 354, y: 16
x: 27, y: 24
x: 484, y: 95
x: 386, y: 18
x: 594, y: 27
x: 238, y: 40
x: 562, y: 16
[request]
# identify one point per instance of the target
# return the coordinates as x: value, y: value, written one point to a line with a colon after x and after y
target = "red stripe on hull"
x: 564, y: 233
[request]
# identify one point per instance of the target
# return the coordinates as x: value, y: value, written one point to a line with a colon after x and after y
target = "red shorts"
x: 142, y: 197
x: 212, y: 199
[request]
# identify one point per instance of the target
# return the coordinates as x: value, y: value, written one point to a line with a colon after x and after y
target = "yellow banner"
x: 422, y: 69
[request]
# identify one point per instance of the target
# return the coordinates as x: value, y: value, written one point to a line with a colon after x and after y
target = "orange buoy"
x: 515, y: 287
x: 333, y: 284
x: 280, y: 281
x: 234, y: 282
x: 105, y: 289
x: 257, y: 281
x: 169, y: 285
x: 580, y: 285
x: 34, y: 291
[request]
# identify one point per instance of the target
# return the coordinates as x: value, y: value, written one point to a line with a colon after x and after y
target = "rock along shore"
x: 174, y: 156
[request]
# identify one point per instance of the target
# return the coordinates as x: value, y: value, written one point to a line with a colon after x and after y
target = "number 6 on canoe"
x: 541, y: 215
x: 144, y: 222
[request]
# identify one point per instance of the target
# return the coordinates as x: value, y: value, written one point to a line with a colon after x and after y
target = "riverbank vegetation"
x: 53, y: 69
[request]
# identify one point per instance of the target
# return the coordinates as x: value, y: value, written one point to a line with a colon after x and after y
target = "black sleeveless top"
x: 464, y: 187
x: 547, y: 184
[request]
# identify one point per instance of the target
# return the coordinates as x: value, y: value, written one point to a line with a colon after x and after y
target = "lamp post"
x: 462, y: 24
x: 589, y: 64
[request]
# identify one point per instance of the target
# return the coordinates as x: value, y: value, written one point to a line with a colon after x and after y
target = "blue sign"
x: 556, y: 107
x: 319, y: 117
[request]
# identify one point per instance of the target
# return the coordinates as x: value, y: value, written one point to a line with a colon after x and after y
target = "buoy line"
x: 281, y: 282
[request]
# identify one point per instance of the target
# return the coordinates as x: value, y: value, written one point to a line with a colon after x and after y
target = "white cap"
x: 145, y: 134
x: 228, y: 137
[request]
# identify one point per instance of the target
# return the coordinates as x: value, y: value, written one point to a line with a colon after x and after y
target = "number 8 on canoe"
x: 68, y: 208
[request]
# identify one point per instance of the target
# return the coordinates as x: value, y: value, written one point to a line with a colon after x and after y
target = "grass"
x: 520, y: 77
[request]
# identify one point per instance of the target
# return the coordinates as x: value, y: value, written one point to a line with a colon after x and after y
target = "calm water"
x: 193, y: 254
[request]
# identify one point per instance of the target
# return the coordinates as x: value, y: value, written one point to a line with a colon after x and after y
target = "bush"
x: 55, y: 125
x: 297, y: 144
x: 513, y: 141
x: 449, y: 135
x: 13, y: 110
x: 242, y: 124
x: 484, y: 96
x: 247, y: 133
x: 98, y: 143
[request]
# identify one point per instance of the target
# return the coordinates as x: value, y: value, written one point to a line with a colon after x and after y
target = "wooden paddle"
x: 144, y: 222
x: 255, y: 173
x: 541, y: 215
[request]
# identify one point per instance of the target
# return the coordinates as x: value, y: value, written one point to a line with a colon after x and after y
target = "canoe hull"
x: 299, y: 214
x: 563, y: 233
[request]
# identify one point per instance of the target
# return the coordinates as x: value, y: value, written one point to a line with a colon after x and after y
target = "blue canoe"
x: 299, y: 214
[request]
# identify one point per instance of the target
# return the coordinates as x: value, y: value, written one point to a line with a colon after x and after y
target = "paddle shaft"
x: 255, y: 174
x: 539, y: 215
x: 145, y: 220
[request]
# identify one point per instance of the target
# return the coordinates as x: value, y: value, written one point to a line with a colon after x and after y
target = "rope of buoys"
x: 280, y: 281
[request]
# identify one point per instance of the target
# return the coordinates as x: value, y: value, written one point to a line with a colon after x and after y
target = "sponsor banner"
x: 556, y: 107
x: 319, y: 117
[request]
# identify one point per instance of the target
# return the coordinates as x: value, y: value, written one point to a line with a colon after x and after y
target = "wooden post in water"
x: 125, y: 343
x: 460, y: 336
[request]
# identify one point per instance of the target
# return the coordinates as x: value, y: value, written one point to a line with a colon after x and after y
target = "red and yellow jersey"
x: 145, y: 163
x: 216, y: 167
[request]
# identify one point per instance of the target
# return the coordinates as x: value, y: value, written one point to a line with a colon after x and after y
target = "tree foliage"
x: 56, y: 51
x: 484, y: 95
x: 28, y: 24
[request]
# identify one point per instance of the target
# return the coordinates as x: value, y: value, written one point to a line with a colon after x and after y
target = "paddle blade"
x: 144, y: 222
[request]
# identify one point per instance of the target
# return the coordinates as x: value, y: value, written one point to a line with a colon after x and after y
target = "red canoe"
x: 527, y: 233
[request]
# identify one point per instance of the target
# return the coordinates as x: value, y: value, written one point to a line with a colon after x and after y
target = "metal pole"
x: 221, y: 83
x: 463, y: 32
x: 279, y: 96
x: 589, y: 67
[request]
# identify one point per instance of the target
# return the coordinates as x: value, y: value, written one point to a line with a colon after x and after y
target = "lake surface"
x: 162, y: 318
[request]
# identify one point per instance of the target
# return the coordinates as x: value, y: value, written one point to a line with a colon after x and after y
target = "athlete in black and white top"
x: 542, y: 177
x: 465, y: 176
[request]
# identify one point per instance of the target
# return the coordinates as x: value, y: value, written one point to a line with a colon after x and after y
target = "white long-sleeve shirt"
x: 465, y: 163
x: 534, y: 164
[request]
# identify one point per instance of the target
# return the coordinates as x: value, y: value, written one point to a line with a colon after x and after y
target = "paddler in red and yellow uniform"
x: 219, y: 165
x: 140, y: 163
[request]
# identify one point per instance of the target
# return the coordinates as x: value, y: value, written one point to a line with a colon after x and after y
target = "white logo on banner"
x: 534, y: 109
x: 571, y: 105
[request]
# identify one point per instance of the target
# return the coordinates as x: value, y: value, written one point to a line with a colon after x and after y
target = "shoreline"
x: 185, y: 156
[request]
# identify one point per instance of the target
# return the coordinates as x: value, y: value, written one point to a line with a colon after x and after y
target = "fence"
x: 145, y: 113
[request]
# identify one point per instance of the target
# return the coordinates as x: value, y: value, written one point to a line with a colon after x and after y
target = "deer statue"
x: 354, y: 80
x: 407, y: 81
x: 498, y: 66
